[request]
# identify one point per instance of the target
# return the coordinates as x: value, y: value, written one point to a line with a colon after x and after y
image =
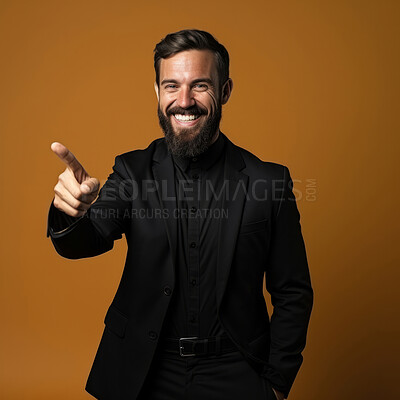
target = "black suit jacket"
x: 261, y: 233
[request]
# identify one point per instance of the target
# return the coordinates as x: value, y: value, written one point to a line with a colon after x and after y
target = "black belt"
x: 193, y: 346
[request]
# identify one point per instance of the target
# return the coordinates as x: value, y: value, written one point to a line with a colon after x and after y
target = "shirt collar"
x: 204, y: 160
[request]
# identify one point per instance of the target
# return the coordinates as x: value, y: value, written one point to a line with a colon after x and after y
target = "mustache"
x: 195, y: 110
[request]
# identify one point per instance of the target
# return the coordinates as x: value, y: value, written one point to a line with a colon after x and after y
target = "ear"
x: 157, y: 92
x: 226, y: 91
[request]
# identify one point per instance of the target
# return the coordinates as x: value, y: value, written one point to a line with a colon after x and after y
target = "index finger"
x: 67, y: 157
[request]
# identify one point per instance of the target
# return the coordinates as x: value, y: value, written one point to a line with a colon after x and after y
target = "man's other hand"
x: 279, y: 395
x: 75, y: 190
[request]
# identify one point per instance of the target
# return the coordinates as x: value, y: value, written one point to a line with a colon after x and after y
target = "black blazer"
x: 261, y: 233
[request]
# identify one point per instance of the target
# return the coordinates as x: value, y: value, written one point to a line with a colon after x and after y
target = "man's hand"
x: 75, y: 190
x: 279, y: 395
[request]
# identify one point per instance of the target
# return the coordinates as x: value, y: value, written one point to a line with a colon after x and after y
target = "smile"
x: 186, y: 120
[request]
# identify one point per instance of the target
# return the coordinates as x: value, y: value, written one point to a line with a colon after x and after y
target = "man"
x: 203, y: 219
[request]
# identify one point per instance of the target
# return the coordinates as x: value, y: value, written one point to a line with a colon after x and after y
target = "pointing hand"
x: 75, y: 190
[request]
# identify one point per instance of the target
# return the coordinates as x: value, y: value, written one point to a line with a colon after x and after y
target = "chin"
x: 184, y: 133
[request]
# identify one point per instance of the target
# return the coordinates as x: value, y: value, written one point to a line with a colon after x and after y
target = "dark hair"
x: 192, y: 39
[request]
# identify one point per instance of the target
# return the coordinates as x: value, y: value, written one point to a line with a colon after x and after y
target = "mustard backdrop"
x: 316, y: 87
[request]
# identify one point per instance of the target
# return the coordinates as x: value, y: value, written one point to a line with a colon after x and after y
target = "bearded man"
x: 204, y: 221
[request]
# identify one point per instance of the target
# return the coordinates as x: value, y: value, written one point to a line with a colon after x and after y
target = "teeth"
x: 185, y: 117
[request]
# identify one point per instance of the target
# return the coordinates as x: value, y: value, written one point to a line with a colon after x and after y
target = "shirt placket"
x: 194, y: 251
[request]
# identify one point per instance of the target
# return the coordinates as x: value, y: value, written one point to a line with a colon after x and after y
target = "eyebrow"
x: 207, y: 80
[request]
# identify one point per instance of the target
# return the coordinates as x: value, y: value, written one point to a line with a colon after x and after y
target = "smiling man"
x: 190, y: 98
x: 204, y: 221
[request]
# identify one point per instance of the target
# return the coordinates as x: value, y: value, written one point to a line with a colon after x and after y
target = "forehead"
x: 190, y: 64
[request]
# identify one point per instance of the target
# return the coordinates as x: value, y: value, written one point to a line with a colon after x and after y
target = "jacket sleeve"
x: 94, y: 233
x: 288, y: 282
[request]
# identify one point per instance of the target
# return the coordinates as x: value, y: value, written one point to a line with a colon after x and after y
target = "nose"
x: 185, y: 98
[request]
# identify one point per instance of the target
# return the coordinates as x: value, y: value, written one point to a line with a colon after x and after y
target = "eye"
x: 170, y: 86
x: 201, y: 86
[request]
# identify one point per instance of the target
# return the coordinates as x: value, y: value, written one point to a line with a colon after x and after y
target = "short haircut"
x: 192, y: 39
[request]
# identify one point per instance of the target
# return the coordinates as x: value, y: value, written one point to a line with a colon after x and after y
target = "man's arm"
x: 79, y: 226
x: 288, y: 282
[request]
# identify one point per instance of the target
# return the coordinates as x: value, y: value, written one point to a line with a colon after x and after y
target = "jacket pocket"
x: 253, y: 226
x: 115, y: 321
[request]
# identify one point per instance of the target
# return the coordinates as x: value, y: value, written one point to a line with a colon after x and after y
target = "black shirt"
x: 198, y: 184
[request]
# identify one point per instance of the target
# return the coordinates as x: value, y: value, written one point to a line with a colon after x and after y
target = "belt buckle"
x: 181, y: 347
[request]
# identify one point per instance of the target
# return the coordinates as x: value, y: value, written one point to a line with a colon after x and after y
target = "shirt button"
x: 194, y: 282
x: 167, y: 290
x: 195, y: 176
x: 193, y: 245
x: 153, y: 335
x: 193, y: 318
x: 193, y: 209
x: 194, y: 159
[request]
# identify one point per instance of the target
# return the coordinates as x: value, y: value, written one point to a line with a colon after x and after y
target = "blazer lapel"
x: 233, y: 202
x: 164, y: 175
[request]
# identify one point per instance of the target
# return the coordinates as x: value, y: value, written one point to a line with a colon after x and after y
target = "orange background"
x: 316, y: 87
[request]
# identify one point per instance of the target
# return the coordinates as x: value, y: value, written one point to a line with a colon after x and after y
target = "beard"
x: 182, y: 143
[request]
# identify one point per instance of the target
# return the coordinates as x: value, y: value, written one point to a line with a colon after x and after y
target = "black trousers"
x: 224, y: 377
